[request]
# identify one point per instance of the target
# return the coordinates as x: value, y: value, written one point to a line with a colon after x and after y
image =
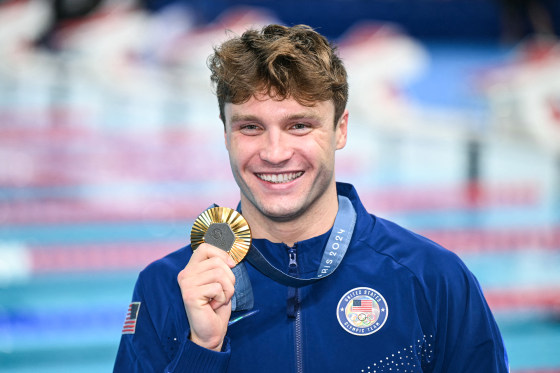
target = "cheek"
x: 322, y: 149
x: 240, y: 154
x: 233, y: 156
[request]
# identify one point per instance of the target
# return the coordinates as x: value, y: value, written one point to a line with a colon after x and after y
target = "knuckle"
x: 189, y: 298
x: 217, y: 261
x: 180, y: 276
x: 217, y: 287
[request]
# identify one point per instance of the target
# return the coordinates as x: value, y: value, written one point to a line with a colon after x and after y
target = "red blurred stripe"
x: 100, y: 257
x: 497, y: 240
x: 523, y: 299
x: 112, y: 210
x: 460, y: 197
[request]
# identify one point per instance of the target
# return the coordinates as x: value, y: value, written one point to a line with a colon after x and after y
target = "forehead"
x: 267, y: 107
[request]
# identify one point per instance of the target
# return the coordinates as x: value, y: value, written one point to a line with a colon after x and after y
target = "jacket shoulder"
x: 425, y: 258
x: 168, y: 266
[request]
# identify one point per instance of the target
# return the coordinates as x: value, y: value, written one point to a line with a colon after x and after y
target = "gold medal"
x: 224, y: 228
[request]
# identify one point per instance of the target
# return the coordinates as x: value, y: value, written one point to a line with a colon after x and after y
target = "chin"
x: 281, y: 215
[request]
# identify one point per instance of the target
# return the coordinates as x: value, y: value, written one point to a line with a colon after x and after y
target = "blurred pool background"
x: 110, y: 146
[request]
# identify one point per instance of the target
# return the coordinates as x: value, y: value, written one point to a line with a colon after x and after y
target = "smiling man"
x: 282, y: 157
x: 326, y: 286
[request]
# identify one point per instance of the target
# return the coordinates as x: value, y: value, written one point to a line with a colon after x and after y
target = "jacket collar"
x: 310, y: 251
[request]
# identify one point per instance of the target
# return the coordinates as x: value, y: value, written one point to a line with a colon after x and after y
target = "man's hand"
x: 207, y: 285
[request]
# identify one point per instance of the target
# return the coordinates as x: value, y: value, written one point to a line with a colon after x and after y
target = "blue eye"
x: 301, y: 128
x: 250, y: 129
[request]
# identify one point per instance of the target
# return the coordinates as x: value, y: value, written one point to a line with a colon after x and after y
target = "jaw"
x: 288, y: 212
x: 277, y: 195
x: 286, y: 196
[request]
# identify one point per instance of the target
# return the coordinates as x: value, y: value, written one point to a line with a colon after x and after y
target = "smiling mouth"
x: 280, y: 178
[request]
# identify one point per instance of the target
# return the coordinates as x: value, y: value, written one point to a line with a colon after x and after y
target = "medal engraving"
x: 220, y: 235
x: 224, y: 228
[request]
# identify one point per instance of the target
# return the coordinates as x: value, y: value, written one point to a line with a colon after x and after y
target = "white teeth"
x: 280, y: 178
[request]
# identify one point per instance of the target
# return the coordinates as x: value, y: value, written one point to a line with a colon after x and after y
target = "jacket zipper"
x: 299, y: 343
x: 294, y: 310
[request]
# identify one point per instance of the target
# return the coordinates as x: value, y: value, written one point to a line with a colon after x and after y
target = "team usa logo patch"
x: 129, y: 326
x: 362, y: 311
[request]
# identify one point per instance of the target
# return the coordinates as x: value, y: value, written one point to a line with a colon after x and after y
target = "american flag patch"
x: 129, y: 326
x: 362, y: 305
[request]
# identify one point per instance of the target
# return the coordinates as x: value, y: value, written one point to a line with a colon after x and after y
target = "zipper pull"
x: 293, y: 298
x: 292, y: 265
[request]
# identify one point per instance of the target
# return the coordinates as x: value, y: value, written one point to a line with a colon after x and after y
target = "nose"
x: 276, y: 148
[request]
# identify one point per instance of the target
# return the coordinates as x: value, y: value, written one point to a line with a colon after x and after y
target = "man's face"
x: 282, y: 154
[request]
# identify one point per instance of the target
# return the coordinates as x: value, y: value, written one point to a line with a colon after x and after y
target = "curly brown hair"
x: 281, y: 62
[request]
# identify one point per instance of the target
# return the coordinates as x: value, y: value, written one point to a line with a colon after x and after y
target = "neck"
x: 316, y: 220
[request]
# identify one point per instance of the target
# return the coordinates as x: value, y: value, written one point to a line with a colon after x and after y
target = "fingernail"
x: 231, y: 262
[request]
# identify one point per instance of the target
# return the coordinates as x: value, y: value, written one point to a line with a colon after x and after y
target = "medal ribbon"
x: 334, y: 252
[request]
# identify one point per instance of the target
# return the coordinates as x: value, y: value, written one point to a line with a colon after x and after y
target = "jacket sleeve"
x: 467, y: 336
x: 143, y: 348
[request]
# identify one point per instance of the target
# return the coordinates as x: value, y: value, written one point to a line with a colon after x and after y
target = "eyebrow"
x: 252, y: 118
x: 243, y: 118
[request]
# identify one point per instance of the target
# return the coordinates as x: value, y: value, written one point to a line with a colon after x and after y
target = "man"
x: 374, y: 296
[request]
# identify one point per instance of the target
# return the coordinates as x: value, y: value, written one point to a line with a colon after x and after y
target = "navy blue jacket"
x: 398, y: 302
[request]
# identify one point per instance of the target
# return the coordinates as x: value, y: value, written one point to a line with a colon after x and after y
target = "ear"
x: 342, y: 130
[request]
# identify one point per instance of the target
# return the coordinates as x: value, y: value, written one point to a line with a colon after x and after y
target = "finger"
x: 191, y: 284
x: 215, y: 276
x: 206, y: 251
x: 196, y: 269
x: 216, y: 303
x: 214, y: 295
